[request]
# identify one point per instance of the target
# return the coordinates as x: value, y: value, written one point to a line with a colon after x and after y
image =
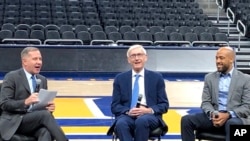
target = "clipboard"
x: 44, y: 96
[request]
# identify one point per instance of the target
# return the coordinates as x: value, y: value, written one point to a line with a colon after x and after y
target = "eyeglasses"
x: 139, y: 55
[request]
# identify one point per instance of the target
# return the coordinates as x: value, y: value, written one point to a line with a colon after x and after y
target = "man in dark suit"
x: 17, y: 97
x: 134, y: 123
x: 225, y: 99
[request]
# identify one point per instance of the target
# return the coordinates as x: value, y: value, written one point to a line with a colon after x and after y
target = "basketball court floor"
x: 83, y: 106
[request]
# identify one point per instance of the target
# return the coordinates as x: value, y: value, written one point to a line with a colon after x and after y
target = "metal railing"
x: 22, y: 40
x: 241, y: 28
x: 220, y: 4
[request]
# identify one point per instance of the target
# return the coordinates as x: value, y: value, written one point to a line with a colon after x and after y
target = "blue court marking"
x: 84, y: 122
x: 167, y: 136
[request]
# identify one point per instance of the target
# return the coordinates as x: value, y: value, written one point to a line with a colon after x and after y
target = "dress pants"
x: 189, y: 123
x: 135, y: 129
x: 42, y: 125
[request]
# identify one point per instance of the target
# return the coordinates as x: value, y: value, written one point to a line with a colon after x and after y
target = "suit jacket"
x: 238, y: 94
x: 15, y: 89
x: 155, y: 93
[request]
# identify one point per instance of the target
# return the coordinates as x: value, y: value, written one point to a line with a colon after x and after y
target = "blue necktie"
x: 135, y: 91
x: 33, y: 78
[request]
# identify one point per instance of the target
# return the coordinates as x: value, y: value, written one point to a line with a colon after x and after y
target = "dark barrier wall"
x: 112, y: 59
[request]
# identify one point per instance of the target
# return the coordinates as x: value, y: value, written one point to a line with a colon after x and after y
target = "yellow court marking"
x: 77, y: 108
x: 71, y: 107
x: 88, y: 129
x: 172, y: 119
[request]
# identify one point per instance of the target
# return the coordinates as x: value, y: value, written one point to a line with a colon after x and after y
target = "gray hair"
x: 26, y: 50
x: 136, y: 46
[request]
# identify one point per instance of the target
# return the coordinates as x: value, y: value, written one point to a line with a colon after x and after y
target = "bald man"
x: 225, y: 99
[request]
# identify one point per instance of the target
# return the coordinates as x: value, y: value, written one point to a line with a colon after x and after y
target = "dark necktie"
x: 135, y: 91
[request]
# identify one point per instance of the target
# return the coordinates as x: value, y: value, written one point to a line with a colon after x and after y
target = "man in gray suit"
x: 18, y: 95
x: 225, y: 99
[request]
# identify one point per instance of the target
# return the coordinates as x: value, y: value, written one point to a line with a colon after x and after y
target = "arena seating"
x: 90, y: 22
x: 238, y: 13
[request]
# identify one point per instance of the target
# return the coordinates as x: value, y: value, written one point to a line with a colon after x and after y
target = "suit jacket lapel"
x: 233, y: 82
x: 24, y: 80
x: 216, y: 85
x: 146, y: 84
x: 129, y: 84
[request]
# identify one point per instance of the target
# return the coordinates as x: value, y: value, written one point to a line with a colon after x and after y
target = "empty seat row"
x: 107, y: 29
x: 85, y: 37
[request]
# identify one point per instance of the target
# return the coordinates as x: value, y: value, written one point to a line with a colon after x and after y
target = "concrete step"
x: 243, y: 65
x: 214, y: 18
x: 243, y: 58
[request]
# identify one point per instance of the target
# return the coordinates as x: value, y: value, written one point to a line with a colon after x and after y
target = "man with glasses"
x: 139, y: 99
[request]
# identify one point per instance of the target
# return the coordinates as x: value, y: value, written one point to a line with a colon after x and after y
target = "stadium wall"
x: 67, y: 60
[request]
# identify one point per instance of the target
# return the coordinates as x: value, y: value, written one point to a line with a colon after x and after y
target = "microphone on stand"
x: 139, y: 101
x: 38, y: 82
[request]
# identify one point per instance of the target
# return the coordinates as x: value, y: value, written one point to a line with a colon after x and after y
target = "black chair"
x: 37, y: 34
x: 199, y: 29
x: 62, y: 21
x: 37, y: 27
x: 109, y: 29
x: 69, y: 38
x: 139, y: 29
x: 191, y: 37
x: 64, y: 28
x: 100, y: 38
x: 52, y: 34
x: 8, y: 26
x: 205, y: 36
x: 220, y: 37
x: 52, y: 37
x: 213, y: 30
x: 95, y: 28
x: 17, y: 137
x: 155, y: 29
x: 210, y: 135
x: 130, y: 35
x: 175, y: 36
x: 170, y: 29
x: 79, y: 28
x: 51, y: 27
x: 25, y: 27
x: 85, y: 36
x: 184, y: 29
x: 125, y: 28
x: 21, y: 34
x: 115, y: 36
x: 160, y: 36
x: 5, y: 34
